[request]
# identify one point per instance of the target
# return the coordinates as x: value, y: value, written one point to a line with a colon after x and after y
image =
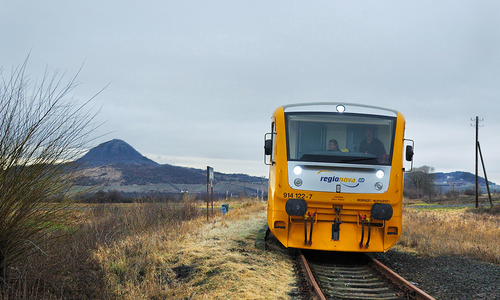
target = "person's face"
x: 332, y: 146
x: 369, y: 134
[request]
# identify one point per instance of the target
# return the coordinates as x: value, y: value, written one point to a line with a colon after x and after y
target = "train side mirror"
x: 409, y: 153
x: 268, y: 147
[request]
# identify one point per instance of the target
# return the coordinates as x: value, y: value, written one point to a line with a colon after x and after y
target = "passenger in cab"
x: 333, y: 145
x: 372, y: 145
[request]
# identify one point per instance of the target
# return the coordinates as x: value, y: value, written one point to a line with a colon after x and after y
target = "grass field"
x: 453, y: 231
x: 156, y: 251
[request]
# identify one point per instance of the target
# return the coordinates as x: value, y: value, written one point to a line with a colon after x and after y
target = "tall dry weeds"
x: 197, y: 259
x: 74, y: 268
x: 452, y: 232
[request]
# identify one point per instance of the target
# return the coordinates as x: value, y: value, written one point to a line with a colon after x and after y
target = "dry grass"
x: 457, y: 232
x: 198, y: 260
x: 68, y: 270
x: 155, y: 251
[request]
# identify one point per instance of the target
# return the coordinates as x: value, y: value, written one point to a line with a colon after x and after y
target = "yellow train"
x: 336, y: 176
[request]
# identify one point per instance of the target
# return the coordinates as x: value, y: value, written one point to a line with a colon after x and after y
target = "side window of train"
x: 273, y: 138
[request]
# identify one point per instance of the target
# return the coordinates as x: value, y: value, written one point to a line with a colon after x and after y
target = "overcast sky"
x: 194, y: 83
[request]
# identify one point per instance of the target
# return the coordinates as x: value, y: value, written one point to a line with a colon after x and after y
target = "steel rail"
x: 314, y: 285
x: 411, y: 290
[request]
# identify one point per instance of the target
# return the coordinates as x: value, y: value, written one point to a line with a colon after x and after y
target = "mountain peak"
x: 115, y: 152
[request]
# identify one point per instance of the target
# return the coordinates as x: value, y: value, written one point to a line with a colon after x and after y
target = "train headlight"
x: 297, y: 182
x: 340, y: 108
x: 297, y: 170
x: 380, y: 174
x: 379, y: 186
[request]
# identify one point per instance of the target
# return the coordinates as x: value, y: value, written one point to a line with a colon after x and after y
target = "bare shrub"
x: 493, y: 211
x: 452, y: 194
x: 41, y: 128
x: 472, y: 192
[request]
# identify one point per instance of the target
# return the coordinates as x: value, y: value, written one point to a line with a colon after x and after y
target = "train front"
x: 336, y: 176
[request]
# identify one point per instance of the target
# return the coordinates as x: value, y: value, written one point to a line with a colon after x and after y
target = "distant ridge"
x: 458, y: 178
x: 114, y: 152
x: 117, y: 166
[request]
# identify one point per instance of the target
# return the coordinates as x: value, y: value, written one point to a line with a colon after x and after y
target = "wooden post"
x: 485, y: 176
x: 477, y: 143
x: 210, y: 179
x: 208, y: 168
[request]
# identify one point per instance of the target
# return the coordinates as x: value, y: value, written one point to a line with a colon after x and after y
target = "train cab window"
x: 273, y: 138
x: 359, y: 139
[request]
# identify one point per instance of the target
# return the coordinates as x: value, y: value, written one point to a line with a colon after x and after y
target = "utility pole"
x: 477, y: 150
x: 477, y: 154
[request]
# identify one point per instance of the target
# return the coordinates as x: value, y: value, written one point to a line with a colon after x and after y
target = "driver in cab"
x: 372, y: 145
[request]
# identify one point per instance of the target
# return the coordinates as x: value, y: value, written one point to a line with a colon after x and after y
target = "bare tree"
x: 421, y: 182
x: 42, y: 128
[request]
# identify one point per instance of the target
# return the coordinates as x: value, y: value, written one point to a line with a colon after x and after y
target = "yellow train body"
x: 346, y: 199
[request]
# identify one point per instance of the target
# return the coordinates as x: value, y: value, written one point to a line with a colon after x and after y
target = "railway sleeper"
x: 337, y: 268
x: 346, y: 272
x: 345, y: 279
x: 364, y: 296
x: 363, y: 276
x: 354, y: 285
x: 362, y: 290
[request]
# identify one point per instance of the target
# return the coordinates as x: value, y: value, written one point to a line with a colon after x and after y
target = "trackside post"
x: 210, y: 179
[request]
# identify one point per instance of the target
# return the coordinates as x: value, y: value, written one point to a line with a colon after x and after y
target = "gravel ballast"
x: 445, y: 277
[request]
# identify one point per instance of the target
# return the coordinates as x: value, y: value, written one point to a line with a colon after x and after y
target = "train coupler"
x: 336, y: 229
x: 336, y: 225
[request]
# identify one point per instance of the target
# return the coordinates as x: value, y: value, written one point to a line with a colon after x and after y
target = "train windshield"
x: 340, y: 138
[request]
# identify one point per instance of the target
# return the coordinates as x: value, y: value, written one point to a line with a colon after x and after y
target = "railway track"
x: 355, y: 276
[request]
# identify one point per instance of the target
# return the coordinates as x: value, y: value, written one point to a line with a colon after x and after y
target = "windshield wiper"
x: 358, y: 159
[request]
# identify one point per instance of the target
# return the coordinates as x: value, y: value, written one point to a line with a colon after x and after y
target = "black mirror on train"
x: 268, y: 147
x: 409, y: 153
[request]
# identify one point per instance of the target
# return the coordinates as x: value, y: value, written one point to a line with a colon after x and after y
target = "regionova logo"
x: 330, y: 177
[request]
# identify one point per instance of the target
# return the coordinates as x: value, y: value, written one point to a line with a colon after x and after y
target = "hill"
x: 114, y: 152
x: 458, y: 178
x: 115, y: 165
